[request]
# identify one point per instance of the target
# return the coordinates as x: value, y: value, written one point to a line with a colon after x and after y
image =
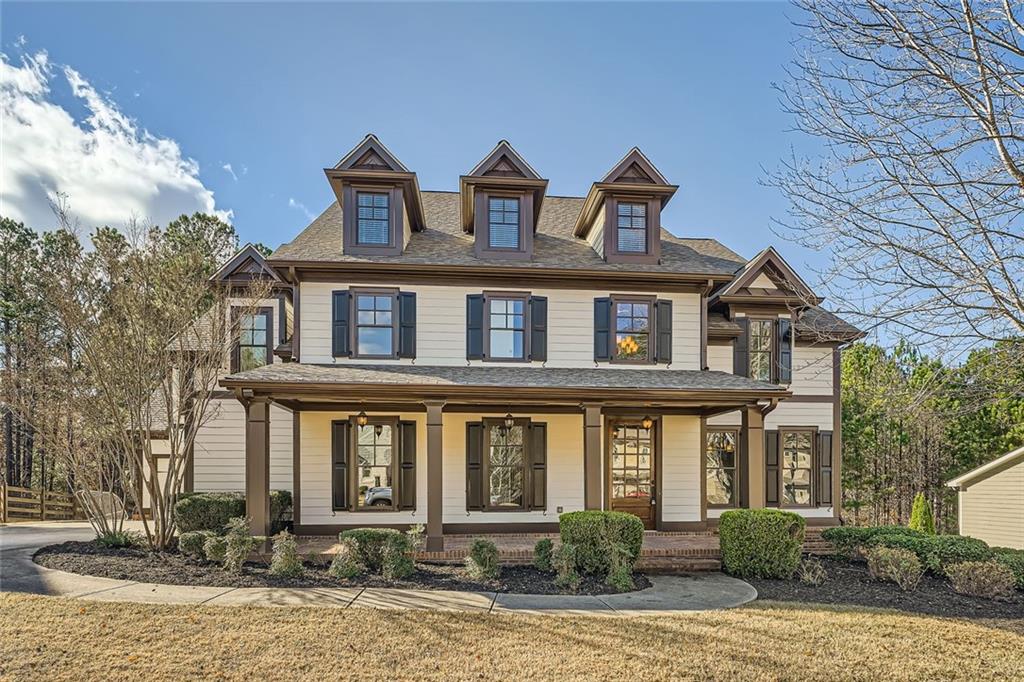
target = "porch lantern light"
x: 647, y: 422
x: 509, y: 421
x: 362, y: 419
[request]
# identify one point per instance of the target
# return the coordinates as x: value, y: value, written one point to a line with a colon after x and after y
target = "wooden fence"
x: 25, y: 504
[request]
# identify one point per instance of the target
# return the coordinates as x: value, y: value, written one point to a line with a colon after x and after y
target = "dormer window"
x: 503, y: 224
x: 373, y: 226
x: 631, y: 236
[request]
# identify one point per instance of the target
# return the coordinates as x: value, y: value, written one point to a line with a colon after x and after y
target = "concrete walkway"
x: 667, y: 595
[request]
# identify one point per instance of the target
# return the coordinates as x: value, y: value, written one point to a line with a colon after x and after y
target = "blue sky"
x: 279, y: 91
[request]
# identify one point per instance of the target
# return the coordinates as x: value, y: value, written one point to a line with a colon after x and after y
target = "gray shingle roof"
x: 816, y: 324
x: 501, y: 377
x: 444, y: 243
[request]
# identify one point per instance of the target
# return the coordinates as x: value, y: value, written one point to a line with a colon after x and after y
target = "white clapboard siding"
x: 220, y: 449
x: 788, y: 413
x: 441, y: 326
x: 992, y: 507
x: 681, y: 469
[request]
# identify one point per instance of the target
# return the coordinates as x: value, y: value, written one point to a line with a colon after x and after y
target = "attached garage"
x: 992, y: 501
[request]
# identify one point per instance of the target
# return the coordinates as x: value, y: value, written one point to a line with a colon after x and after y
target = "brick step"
x: 677, y: 565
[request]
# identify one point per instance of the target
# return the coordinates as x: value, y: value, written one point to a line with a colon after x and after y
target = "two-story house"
x: 485, y: 359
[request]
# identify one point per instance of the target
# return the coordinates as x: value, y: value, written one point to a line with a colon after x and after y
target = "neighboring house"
x: 991, y: 500
x: 483, y: 360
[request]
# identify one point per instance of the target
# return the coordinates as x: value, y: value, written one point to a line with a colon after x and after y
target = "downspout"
x: 704, y: 323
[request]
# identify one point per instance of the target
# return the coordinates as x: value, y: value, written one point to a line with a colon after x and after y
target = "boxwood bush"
x: 594, y: 533
x: 937, y: 552
x: 374, y: 546
x: 212, y: 511
x: 192, y: 543
x: 849, y: 539
x: 1014, y: 558
x: 761, y: 543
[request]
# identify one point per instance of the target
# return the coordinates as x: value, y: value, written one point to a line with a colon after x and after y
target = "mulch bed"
x: 171, y: 568
x: 850, y: 584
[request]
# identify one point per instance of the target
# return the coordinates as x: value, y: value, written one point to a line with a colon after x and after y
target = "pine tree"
x: 921, y: 518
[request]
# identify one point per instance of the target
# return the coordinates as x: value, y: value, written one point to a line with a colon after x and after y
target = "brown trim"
x: 762, y: 309
x: 811, y: 399
x: 523, y: 296
x: 257, y: 465
x: 296, y: 317
x: 753, y: 454
x: 349, y: 219
x: 592, y: 455
x: 703, y: 468
x: 236, y: 313
x: 652, y: 328
x: 599, y: 191
x: 482, y: 225
x: 659, y: 449
x: 435, y: 475
x: 837, y: 433
x: 488, y: 423
x: 740, y: 479
x: 652, y: 252
x: 296, y: 467
x: 353, y: 466
x: 704, y: 324
x: 353, y: 321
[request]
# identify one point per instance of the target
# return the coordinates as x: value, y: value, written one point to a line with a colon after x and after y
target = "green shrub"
x: 212, y: 511
x: 848, y: 540
x: 192, y: 544
x: 812, y: 572
x: 1014, y: 558
x: 921, y: 518
x: 286, y: 561
x: 565, y: 560
x: 937, y: 552
x: 397, y: 561
x: 761, y: 543
x: 986, y: 579
x: 593, y: 533
x: 620, y: 573
x: 542, y: 554
x: 482, y: 562
x: 119, y: 539
x: 417, y: 536
x: 345, y: 564
x: 238, y: 544
x: 215, y: 548
x: 895, y: 564
x: 370, y: 544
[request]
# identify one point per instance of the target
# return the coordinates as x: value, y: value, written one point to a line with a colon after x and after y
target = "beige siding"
x: 220, y: 449
x: 812, y: 370
x: 992, y: 508
x: 720, y: 357
x: 441, y: 326
x: 680, y: 464
x: 595, y: 237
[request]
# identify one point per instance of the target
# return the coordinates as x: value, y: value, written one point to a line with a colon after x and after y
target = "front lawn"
x: 53, y: 639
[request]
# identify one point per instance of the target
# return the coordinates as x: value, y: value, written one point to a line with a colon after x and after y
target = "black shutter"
x: 406, y: 324
x: 539, y: 328
x: 538, y: 453
x: 740, y: 356
x: 474, y: 327
x: 663, y: 322
x: 602, y: 329
x: 339, y: 465
x: 406, y: 465
x: 771, y: 468
x: 825, y: 467
x: 340, y: 346
x: 474, y: 465
x: 784, y: 332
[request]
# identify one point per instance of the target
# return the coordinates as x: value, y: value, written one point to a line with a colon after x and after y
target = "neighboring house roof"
x: 500, y: 377
x: 443, y: 242
x: 985, y: 470
x: 814, y: 324
x: 247, y: 263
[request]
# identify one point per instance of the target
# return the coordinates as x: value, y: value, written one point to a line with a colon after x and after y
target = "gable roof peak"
x: 248, y: 263
x: 635, y: 167
x: 371, y: 154
x: 504, y: 160
x: 768, y: 260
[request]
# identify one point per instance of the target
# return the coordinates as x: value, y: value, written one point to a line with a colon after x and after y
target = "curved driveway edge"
x: 667, y: 595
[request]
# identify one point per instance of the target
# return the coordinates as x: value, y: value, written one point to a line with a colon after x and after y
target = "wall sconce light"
x: 647, y: 422
x: 509, y: 421
x: 362, y: 419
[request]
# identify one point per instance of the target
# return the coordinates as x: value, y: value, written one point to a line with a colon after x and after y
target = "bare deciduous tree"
x: 919, y: 187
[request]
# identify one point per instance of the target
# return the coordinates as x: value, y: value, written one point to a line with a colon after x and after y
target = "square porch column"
x: 257, y: 465
x: 752, y: 424
x: 435, y: 487
x: 592, y: 423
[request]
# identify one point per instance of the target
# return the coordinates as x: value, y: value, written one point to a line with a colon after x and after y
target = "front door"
x: 631, y: 470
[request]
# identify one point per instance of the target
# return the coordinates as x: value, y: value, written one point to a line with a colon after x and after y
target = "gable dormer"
x: 379, y: 199
x: 621, y: 217
x: 767, y: 279
x: 501, y: 202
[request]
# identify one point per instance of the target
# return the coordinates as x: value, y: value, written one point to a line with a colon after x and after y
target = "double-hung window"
x: 253, y: 347
x: 762, y: 332
x: 632, y: 331
x: 797, y: 467
x: 373, y: 219
x: 506, y: 465
x: 631, y: 232
x: 506, y: 328
x: 503, y: 223
x: 375, y: 465
x: 720, y: 453
x: 375, y: 325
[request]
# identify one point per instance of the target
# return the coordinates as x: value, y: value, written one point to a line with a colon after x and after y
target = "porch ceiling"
x: 501, y: 384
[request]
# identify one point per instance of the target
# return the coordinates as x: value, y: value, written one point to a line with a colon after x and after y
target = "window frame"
x: 619, y: 228
x: 482, y: 225
x: 523, y: 296
x: 353, y: 464
x: 519, y: 222
x: 237, y: 312
x: 652, y: 334
x: 350, y: 219
x: 773, y: 348
x: 652, y: 252
x: 354, y: 325
x: 736, y: 468
x: 389, y: 226
x: 812, y: 432
x: 488, y: 423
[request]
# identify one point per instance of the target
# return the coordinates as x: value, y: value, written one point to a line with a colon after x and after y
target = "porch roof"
x: 553, y: 383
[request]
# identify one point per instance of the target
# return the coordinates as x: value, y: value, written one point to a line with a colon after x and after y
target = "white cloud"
x: 231, y: 171
x: 299, y: 206
x: 110, y: 169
